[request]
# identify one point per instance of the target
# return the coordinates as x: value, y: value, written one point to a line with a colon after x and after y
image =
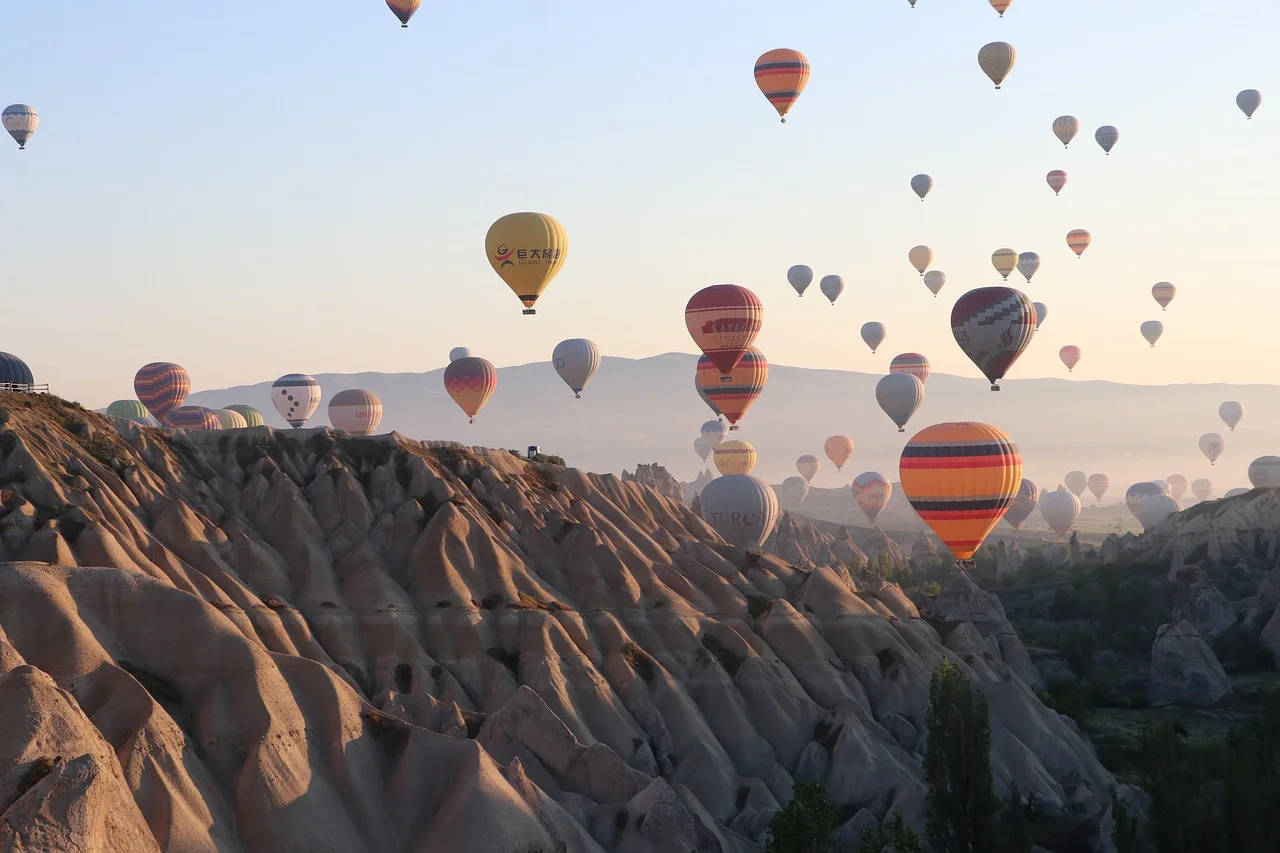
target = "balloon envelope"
x: 900, y: 394
x: 934, y: 280
x: 1231, y: 412
x: 162, y: 386
x: 781, y: 75
x: 1078, y: 240
x: 873, y: 334
x: 1152, y: 330
x: 1138, y: 494
x: 403, y: 9
x: 871, y: 492
x: 1177, y: 485
x: 808, y: 465
x: 1163, y: 293
x: 193, y: 417
x: 1057, y: 179
x: 1107, y: 136
x: 228, y: 419
x: 741, y: 508
x: 911, y: 362
x: 527, y: 250
x: 132, y: 410
x: 735, y: 457
x: 703, y: 448
x: 1211, y: 445
x: 746, y: 382
x: 1042, y: 311
x: 576, y: 360
x: 838, y: 449
x: 1202, y: 489
x: 920, y: 257
x: 993, y: 326
x: 1156, y: 509
x: 296, y: 397
x: 996, y: 60
x: 1070, y: 356
x: 800, y: 277
x: 459, y: 352
x: 470, y: 382
x: 1028, y: 263
x: 1060, y: 510
x: 1001, y: 5
x: 794, y: 490
x: 1076, y: 482
x: 1024, y: 503
x: 252, y: 417
x: 831, y: 286
x: 1098, y: 484
x: 356, y: 410
x: 1248, y: 101
x: 1066, y: 128
x: 723, y: 320
x: 920, y: 185
x: 713, y: 432
x: 1005, y: 261
x: 1264, y: 472
x: 21, y: 121
x: 961, y: 478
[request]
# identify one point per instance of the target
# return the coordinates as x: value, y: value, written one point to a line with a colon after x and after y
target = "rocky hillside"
x: 278, y: 642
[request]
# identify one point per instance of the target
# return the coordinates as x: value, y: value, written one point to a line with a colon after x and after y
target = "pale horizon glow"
x: 252, y: 189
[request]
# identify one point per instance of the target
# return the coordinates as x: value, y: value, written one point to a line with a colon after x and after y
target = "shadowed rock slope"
x: 273, y: 642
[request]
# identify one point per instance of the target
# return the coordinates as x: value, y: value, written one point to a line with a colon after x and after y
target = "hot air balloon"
x: 1042, y: 311
x: 900, y: 394
x: 21, y: 121
x: 1264, y: 472
x: 873, y: 334
x: 1076, y: 482
x: 130, y: 410
x: 800, y: 277
x: 1156, y: 509
x: 1024, y: 502
x: 459, y: 352
x: 1057, y: 179
x: 794, y: 490
x: 1164, y: 486
x: 1078, y: 240
x: 1163, y: 292
x: 913, y: 3
x: 808, y: 465
x: 1177, y: 485
x: 1235, y: 493
x: 296, y: 397
x: 1248, y: 101
x: 993, y: 326
x: 1066, y: 128
x: 1152, y: 330
x: 1028, y: 263
x: 1138, y: 494
x: 252, y: 417
x: 831, y: 286
x: 920, y: 258
x: 741, y: 508
x: 871, y: 492
x: 934, y: 280
x: 1070, y: 356
x: 162, y: 386
x: 711, y: 404
x: 735, y: 457
x: 702, y: 447
x: 1098, y: 484
x: 471, y: 382
x: 1001, y: 5
x: 576, y: 360
x: 996, y: 60
x: 911, y: 362
x: 356, y: 410
x: 1005, y: 261
x: 228, y: 419
x: 1060, y: 510
x: 838, y: 448
x: 1211, y: 445
x: 920, y: 185
x: 1202, y: 489
x: 723, y: 320
x: 526, y: 250
x: 403, y: 9
x: 782, y: 75
x: 746, y: 381
x: 713, y: 432
x: 960, y: 479
x: 1231, y: 412
x: 193, y: 417
x: 1107, y: 137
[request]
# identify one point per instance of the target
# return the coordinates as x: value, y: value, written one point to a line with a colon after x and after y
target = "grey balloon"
x: 795, y: 490
x: 1042, y: 311
x: 1028, y: 263
x: 459, y: 352
x: 921, y: 184
x: 1107, y: 136
x: 576, y: 360
x: 1060, y: 509
x: 1156, y: 509
x: 1264, y: 472
x: 900, y: 394
x: 741, y: 508
x: 1248, y: 101
x: 1152, y: 330
x: 831, y: 286
x: 873, y: 334
x: 800, y: 277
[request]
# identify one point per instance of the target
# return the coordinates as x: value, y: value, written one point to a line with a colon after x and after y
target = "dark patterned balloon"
x: 994, y: 326
x: 162, y: 386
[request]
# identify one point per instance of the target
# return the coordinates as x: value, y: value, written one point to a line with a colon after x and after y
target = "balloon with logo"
x: 871, y: 492
x: 911, y: 362
x: 1156, y: 509
x: 296, y: 397
x: 1202, y: 489
x: 781, y: 75
x: 459, y: 352
x: 920, y: 257
x: 1163, y: 293
x: 1024, y: 503
x: 1231, y: 412
x: 576, y: 360
x: 527, y: 250
x: 723, y: 321
x: 356, y: 410
x: 404, y: 9
x: 228, y: 419
x: 1078, y: 240
x: 808, y: 465
x: 1211, y: 445
x: 1098, y: 484
x: 252, y: 417
x: 1070, y: 356
x: 921, y: 184
x: 1028, y: 263
x: 713, y: 433
x: 873, y: 334
x: 746, y: 382
x: 934, y: 280
x: 996, y: 60
x: 1107, y: 137
x: 21, y: 121
x: 1066, y: 128
x: 741, y: 508
x: 838, y: 449
x: 961, y: 478
x: 900, y: 394
x: 471, y: 382
x: 734, y: 457
x: 702, y: 447
x: 1057, y: 179
x: 1005, y: 261
x: 1248, y: 101
x: 1264, y: 472
x: 194, y: 417
x: 1042, y: 311
x: 800, y: 277
x: 1152, y: 330
x: 831, y: 286
x: 993, y: 326
x: 1060, y: 510
x: 162, y: 386
x: 1177, y: 485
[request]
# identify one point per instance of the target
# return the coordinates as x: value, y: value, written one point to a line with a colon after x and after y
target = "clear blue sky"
x: 251, y: 188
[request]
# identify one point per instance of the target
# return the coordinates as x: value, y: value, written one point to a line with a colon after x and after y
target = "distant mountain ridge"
x: 646, y: 410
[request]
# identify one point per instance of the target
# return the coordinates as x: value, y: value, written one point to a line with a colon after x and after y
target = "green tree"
x: 1017, y: 823
x: 962, y: 802
x: 895, y: 835
x: 806, y: 825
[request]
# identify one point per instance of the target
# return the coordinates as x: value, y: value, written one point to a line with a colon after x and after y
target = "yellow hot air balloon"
x: 1005, y: 261
x: 526, y: 250
x: 735, y: 457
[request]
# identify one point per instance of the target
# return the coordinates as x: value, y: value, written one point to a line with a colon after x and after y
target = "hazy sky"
x: 251, y: 188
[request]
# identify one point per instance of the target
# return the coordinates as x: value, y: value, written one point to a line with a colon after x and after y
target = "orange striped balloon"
x: 746, y: 381
x: 782, y: 75
x: 1079, y: 240
x: 404, y: 9
x: 470, y: 382
x: 961, y: 478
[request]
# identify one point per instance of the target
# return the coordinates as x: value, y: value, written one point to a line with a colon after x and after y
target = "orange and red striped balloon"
x: 961, y: 479
x: 723, y: 320
x: 470, y: 381
x: 746, y: 381
x: 782, y: 75
x: 1079, y: 240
